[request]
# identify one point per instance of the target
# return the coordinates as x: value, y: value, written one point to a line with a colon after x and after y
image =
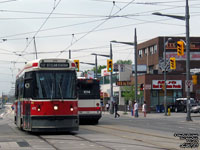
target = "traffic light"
x: 194, y: 79
x: 109, y: 65
x: 180, y: 48
x: 172, y: 63
x: 77, y: 64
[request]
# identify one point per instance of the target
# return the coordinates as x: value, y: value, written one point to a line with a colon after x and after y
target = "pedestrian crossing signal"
x: 77, y: 64
x: 109, y: 65
x: 172, y: 63
x: 180, y: 48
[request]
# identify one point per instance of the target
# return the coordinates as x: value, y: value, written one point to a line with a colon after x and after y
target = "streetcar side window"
x: 28, y: 89
x: 21, y: 87
x: 28, y: 81
x: 17, y: 89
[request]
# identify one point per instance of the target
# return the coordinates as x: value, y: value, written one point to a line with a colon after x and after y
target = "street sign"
x: 188, y: 85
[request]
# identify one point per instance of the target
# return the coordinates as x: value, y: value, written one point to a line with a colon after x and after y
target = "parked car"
x: 195, y: 109
x: 181, y: 104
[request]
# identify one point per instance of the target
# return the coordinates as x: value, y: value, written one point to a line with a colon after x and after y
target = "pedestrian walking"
x: 116, y: 109
x: 136, y: 109
x: 107, y: 106
x: 144, y: 108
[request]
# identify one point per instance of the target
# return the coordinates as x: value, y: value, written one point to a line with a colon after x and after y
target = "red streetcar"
x: 89, y: 103
x: 46, y: 98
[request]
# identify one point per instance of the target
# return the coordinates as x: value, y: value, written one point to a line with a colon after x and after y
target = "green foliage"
x: 129, y: 93
x: 124, y: 62
x: 99, y: 68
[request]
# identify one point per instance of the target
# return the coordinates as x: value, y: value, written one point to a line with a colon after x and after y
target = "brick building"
x: 151, y: 54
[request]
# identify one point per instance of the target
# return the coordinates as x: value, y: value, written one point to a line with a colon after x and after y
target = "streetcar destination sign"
x: 54, y: 65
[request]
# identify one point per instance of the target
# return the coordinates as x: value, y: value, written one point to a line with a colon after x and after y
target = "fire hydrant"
x: 169, y: 112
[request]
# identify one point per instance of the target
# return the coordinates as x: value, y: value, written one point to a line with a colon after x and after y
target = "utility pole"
x: 96, y: 66
x: 187, y: 17
x: 69, y: 54
x: 136, y: 85
x: 111, y: 85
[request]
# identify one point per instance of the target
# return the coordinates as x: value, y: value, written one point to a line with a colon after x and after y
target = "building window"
x: 155, y: 48
x: 151, y: 50
x: 151, y: 69
x: 140, y: 53
x: 146, y: 51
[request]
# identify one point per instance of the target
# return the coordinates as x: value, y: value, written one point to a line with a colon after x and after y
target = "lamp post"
x: 135, y: 58
x: 165, y: 66
x: 96, y: 61
x: 186, y: 18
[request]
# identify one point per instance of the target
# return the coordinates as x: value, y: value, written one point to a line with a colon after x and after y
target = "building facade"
x: 151, y: 53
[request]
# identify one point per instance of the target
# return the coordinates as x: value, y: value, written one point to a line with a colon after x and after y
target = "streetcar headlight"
x: 55, y: 107
x: 71, y: 109
x: 38, y: 109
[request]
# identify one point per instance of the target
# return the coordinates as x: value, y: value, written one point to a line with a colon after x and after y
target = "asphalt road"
x: 152, y: 133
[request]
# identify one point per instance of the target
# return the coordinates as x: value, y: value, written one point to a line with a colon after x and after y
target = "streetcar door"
x: 28, y: 88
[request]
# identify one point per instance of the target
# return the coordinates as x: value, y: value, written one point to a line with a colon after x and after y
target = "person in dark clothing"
x: 116, y: 109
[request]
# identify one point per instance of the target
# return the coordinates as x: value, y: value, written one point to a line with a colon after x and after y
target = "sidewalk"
x: 195, y: 116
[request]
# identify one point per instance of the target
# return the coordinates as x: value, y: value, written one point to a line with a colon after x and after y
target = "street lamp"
x: 186, y: 18
x: 165, y: 66
x: 135, y: 57
x: 96, y: 61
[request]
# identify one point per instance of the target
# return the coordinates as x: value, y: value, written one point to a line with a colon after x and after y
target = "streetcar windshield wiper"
x: 60, y: 90
x: 52, y: 91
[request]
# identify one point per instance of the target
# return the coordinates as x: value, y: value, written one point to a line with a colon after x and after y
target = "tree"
x: 129, y: 94
x: 124, y: 62
x: 99, y: 68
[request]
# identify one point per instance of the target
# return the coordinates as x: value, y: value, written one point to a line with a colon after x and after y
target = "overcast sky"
x: 84, y: 27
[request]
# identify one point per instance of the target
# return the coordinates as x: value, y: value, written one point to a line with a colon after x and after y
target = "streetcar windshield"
x: 88, y: 89
x: 55, y: 85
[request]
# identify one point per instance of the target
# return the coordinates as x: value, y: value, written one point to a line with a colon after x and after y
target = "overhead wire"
x: 93, y: 29
x: 42, y: 25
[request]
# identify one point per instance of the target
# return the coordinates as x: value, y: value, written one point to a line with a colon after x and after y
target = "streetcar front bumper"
x: 54, y: 123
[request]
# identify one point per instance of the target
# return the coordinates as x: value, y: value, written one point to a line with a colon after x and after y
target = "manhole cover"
x: 23, y: 144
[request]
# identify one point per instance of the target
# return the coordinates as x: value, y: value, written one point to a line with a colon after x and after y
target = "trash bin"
x: 157, y: 108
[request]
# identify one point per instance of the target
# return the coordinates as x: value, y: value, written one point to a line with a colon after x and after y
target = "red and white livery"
x: 46, y: 97
x: 89, y: 100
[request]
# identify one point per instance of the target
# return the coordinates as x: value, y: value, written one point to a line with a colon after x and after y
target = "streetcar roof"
x: 35, y: 64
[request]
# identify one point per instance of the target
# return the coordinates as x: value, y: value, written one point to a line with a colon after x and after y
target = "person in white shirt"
x: 136, y: 109
x: 144, y: 108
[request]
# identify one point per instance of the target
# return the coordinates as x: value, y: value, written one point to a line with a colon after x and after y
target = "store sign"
x: 193, y: 56
x: 170, y: 84
x: 104, y: 72
x: 193, y: 46
x: 124, y: 83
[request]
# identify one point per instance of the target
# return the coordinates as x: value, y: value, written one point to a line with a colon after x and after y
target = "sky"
x: 84, y: 27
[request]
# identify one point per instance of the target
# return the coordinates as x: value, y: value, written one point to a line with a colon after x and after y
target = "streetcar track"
x: 130, y: 131
x: 158, y: 146
x: 45, y: 140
